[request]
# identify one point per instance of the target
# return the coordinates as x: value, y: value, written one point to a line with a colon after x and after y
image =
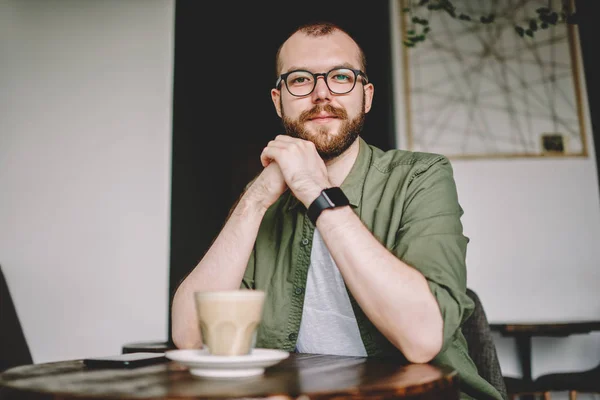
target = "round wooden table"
x: 301, y: 376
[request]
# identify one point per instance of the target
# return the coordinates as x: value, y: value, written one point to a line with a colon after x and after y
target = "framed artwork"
x: 480, y: 90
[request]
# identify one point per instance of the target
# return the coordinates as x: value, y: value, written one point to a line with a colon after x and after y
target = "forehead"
x: 319, y: 53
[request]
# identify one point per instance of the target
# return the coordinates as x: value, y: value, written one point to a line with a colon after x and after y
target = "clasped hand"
x: 295, y: 164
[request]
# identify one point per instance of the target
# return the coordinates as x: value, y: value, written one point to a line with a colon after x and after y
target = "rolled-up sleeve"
x: 248, y: 279
x: 430, y: 239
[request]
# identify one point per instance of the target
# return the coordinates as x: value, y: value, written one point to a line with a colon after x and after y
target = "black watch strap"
x: 329, y: 198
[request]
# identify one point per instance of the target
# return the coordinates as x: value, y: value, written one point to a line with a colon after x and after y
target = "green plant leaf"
x: 546, y: 16
x: 520, y: 31
x: 487, y: 19
x: 533, y: 25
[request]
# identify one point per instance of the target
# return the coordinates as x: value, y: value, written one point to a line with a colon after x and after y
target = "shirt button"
x: 292, y: 336
x: 304, y: 241
x: 298, y: 290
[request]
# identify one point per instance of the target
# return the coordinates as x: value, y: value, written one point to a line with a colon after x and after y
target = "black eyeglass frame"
x: 357, y: 73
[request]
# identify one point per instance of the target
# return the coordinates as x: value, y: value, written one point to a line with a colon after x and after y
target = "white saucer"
x: 202, y: 363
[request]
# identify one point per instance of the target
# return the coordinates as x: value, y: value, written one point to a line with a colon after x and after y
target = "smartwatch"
x: 329, y: 198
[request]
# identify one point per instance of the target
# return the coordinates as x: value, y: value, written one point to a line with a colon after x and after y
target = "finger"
x: 270, y: 153
x: 268, y: 156
x: 291, y: 140
x: 265, y: 161
x: 277, y: 144
x: 285, y: 139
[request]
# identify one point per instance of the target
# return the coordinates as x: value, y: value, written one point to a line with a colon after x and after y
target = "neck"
x: 339, y: 167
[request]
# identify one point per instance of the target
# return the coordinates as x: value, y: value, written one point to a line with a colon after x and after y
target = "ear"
x: 369, y: 91
x: 275, y: 96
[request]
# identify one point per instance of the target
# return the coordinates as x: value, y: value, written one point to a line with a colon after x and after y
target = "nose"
x: 321, y: 92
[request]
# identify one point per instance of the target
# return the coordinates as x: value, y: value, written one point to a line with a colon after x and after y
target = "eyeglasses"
x: 339, y: 81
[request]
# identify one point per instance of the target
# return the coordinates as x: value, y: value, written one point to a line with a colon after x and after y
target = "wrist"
x: 250, y: 204
x: 330, y: 220
x: 310, y: 194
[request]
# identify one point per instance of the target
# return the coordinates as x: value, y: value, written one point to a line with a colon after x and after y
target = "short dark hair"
x: 317, y: 29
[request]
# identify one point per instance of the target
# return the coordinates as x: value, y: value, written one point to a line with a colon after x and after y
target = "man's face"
x: 331, y: 121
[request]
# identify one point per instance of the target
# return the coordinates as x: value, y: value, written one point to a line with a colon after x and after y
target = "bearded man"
x: 360, y: 252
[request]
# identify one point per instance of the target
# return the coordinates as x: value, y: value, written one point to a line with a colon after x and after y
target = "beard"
x: 328, y: 144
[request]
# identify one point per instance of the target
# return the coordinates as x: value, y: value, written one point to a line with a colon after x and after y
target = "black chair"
x: 519, y: 388
x: 482, y: 349
x: 14, y: 350
x: 587, y: 381
x: 573, y: 382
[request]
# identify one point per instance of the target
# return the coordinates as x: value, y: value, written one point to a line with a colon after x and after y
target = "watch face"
x: 336, y: 197
x: 329, y: 198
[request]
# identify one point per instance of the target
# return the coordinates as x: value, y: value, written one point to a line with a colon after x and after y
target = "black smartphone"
x: 128, y: 360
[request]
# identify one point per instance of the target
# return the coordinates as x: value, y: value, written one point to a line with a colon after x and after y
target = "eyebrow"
x: 296, y: 68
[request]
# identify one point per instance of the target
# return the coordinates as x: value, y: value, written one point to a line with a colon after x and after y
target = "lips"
x: 322, y: 117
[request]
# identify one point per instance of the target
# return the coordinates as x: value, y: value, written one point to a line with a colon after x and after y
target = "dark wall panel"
x: 589, y: 31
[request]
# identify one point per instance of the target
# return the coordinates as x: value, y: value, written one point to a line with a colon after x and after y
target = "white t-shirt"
x: 328, y: 323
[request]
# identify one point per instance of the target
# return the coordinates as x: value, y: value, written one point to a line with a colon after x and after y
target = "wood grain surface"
x: 301, y: 376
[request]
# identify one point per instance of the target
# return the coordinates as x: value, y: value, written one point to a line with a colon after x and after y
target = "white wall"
x: 534, y: 226
x: 85, y: 147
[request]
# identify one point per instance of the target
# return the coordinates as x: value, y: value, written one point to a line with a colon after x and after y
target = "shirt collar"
x: 353, y: 184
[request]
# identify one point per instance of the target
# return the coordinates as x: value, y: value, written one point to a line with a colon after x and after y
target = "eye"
x: 340, y: 76
x: 299, y: 78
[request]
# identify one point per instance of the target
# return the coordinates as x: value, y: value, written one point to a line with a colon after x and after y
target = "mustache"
x: 319, y: 108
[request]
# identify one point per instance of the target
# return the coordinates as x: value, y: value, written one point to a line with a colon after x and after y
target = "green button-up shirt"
x: 408, y: 200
